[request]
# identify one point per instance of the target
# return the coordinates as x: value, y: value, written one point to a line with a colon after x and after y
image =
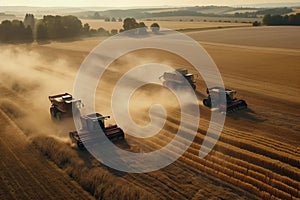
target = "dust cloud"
x: 27, y: 79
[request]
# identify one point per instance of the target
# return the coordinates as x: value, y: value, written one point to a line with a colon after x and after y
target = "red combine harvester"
x: 177, y: 78
x: 90, y: 132
x: 233, y: 104
x: 63, y: 105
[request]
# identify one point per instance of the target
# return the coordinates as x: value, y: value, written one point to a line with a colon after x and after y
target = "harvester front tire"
x: 58, y: 116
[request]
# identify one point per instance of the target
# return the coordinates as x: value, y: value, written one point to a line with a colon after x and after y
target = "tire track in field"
x: 27, y: 174
x: 289, y: 187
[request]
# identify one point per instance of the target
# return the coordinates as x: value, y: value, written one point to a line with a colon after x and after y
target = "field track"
x: 257, y: 155
x: 25, y: 174
x: 164, y: 183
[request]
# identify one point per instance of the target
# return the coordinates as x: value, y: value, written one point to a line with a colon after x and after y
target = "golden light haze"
x: 133, y: 3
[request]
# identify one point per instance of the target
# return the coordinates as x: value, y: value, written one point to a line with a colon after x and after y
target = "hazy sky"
x: 120, y: 3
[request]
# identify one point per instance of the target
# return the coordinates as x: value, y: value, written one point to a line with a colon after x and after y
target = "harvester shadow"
x: 248, y: 114
x: 90, y: 161
x: 200, y: 95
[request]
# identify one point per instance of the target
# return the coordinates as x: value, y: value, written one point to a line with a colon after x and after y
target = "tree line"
x: 279, y: 20
x: 138, y: 27
x: 60, y: 27
x: 15, y: 31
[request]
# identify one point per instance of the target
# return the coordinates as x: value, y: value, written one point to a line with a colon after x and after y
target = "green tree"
x: 18, y: 31
x: 273, y: 20
x: 6, y: 31
x: 142, y: 28
x: 86, y: 29
x: 102, y: 32
x: 15, y: 31
x: 256, y: 23
x: 59, y: 27
x: 72, y: 26
x: 114, y: 32
x: 28, y: 36
x: 155, y: 27
x: 130, y: 23
x: 93, y: 32
x: 41, y: 32
x: 29, y: 21
x: 96, y: 15
x: 267, y: 19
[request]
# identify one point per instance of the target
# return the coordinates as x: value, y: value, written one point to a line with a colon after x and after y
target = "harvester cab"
x: 93, y: 122
x: 232, y: 103
x: 175, y: 79
x: 63, y: 105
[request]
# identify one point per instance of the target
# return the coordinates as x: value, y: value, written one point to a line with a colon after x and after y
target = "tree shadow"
x: 43, y: 42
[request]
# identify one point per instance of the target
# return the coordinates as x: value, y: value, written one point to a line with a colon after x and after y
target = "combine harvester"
x: 177, y: 79
x: 63, y: 106
x: 90, y: 131
x: 233, y: 104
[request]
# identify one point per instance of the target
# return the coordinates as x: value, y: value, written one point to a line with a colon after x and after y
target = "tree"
x: 102, y: 31
x: 5, y: 31
x: 129, y: 23
x: 256, y: 23
x: 113, y: 19
x: 93, y: 32
x: 71, y: 26
x: 273, y: 20
x: 142, y: 28
x: 155, y: 27
x: 41, y: 32
x: 114, y: 32
x: 96, y: 15
x: 29, y: 21
x: 267, y: 19
x: 86, y: 29
x: 59, y: 27
x: 15, y: 31
x: 28, y: 36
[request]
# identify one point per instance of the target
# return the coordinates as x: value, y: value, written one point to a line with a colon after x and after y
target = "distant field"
x: 295, y: 11
x: 174, y: 25
x: 274, y: 37
x: 241, y: 11
x: 206, y: 18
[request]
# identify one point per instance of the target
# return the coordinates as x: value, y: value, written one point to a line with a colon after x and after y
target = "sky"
x: 130, y: 3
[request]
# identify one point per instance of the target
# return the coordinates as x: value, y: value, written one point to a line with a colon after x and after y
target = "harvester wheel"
x: 52, y: 112
x: 58, y: 116
x: 194, y: 87
x: 80, y: 146
x: 206, y: 103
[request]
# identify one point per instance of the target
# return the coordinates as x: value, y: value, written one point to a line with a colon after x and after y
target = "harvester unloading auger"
x: 232, y: 103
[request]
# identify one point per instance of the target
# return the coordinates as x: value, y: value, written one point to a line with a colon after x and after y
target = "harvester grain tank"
x: 232, y: 103
x: 63, y: 106
x: 177, y: 78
